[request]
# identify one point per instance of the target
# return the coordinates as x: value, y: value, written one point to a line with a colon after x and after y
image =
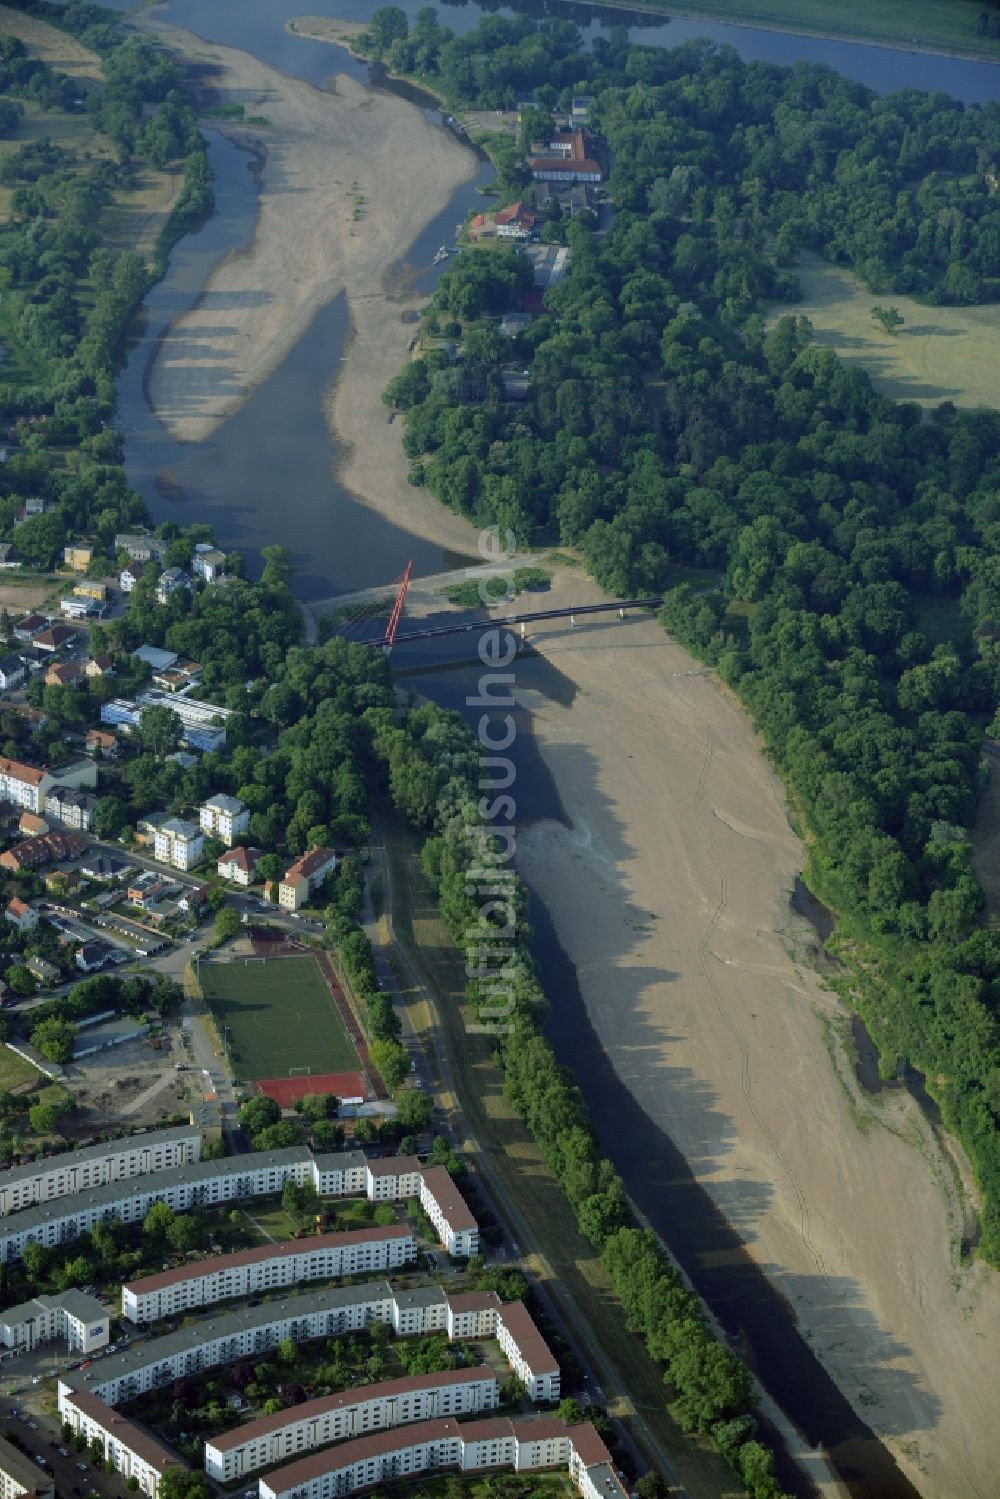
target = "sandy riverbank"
x: 670, y: 893
x: 317, y: 151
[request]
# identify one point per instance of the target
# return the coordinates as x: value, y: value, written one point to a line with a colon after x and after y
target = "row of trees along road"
x: 856, y: 602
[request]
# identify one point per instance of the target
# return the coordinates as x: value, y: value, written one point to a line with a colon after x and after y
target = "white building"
x: 447, y: 1209
x: 12, y: 672
x: 179, y: 843
x: 205, y: 1183
x: 18, y: 1475
x: 171, y: 581
x: 96, y: 1165
x: 73, y: 808
x: 362, y: 1251
x: 134, y: 1453
x: 352, y: 1413
x: 225, y: 817
x: 470, y: 1447
x: 80, y: 1319
x: 20, y: 914
x: 341, y: 1173
x: 239, y: 865
x: 305, y: 876
x: 140, y: 547
x: 208, y: 562
x: 130, y: 575
x: 393, y: 1178
x: 24, y: 785
x: 527, y: 1352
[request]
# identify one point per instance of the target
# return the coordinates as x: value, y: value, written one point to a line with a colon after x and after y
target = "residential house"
x: 63, y: 880
x: 12, y: 672
x: 514, y: 323
x: 10, y: 557
x: 54, y: 638
x: 305, y: 876
x: 98, y: 866
x: 47, y: 848
x: 42, y: 970
x: 130, y: 575
x: 29, y: 626
x: 63, y: 674
x: 33, y: 716
x: 208, y: 562
x: 29, y: 824
x: 33, y: 505
x: 73, y: 808
x: 21, y: 915
x: 225, y: 817
x: 78, y: 556
x: 516, y: 222
x: 100, y: 666
x: 179, y: 843
x: 193, y: 899
x: 94, y: 955
x: 239, y: 865
x: 579, y: 111
x: 141, y: 547
x: 96, y: 592
x: 170, y: 581
x: 146, y: 889
x: 79, y: 608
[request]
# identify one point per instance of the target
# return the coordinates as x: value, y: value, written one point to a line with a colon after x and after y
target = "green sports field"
x: 280, y: 1016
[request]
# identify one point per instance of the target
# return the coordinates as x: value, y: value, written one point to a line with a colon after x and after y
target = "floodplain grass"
x: 946, y: 25
x: 939, y: 354
x: 280, y: 1015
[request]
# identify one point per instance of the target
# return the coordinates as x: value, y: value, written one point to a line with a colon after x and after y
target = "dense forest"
x: 856, y: 602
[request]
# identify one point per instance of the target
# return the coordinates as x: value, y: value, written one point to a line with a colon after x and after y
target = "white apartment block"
x: 447, y: 1209
x: 134, y: 1453
x: 527, y: 1352
x: 19, y: 1475
x: 95, y: 1165
x: 179, y: 843
x: 481, y: 1314
x: 357, y: 1252
x: 204, y: 1183
x: 392, y: 1179
x: 80, y: 1319
x: 24, y: 785
x: 225, y: 817
x: 469, y: 1447
x: 350, y: 1414
x: 249, y: 1331
x: 341, y: 1173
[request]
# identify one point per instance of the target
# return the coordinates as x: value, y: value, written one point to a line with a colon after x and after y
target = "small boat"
x: 442, y: 254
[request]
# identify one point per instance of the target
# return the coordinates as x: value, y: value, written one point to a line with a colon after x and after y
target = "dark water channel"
x: 268, y: 475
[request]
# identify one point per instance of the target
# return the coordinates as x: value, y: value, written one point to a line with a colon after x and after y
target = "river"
x: 231, y: 480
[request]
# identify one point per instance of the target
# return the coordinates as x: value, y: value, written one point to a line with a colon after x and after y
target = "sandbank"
x: 319, y: 150
x: 670, y: 890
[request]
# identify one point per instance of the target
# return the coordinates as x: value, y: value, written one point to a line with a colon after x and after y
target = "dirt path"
x: 348, y: 179
x: 669, y: 890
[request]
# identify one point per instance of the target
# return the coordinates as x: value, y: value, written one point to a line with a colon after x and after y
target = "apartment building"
x: 350, y: 1414
x: 96, y: 1165
x: 179, y: 843
x: 341, y: 1173
x: 24, y: 785
x: 481, y: 1314
x: 140, y: 547
x: 134, y: 1453
x: 527, y: 1352
x: 19, y: 1475
x: 239, y: 865
x: 181, y: 1187
x: 80, y: 1319
x: 305, y: 876
x: 225, y: 817
x: 245, y: 1332
x: 392, y: 1179
x: 357, y: 1252
x: 447, y: 1209
x: 73, y: 808
x: 250, y: 1331
x: 470, y: 1447
x: 208, y: 562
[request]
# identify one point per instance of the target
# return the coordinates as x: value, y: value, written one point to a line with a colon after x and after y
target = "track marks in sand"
x: 705, y: 953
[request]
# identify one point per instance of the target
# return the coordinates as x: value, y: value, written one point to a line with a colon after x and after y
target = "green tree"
x: 43, y: 1118
x: 160, y: 730
x: 20, y: 980
x: 54, y: 1039
x: 889, y: 318
x: 158, y: 1221
x: 414, y: 1110
x: 227, y: 922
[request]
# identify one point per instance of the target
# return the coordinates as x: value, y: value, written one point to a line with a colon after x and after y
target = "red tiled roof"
x: 588, y: 1445
x: 243, y: 858
x: 516, y: 213
x: 395, y: 1165
x: 17, y: 907
x: 18, y: 771
x: 474, y: 1301
x: 309, y: 863
x: 260, y: 1255
x: 123, y: 1431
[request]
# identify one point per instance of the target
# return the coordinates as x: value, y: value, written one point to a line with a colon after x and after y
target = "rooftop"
x: 536, y: 1352
x: 394, y: 1165
x: 223, y: 803
x: 127, y: 1433
x: 313, y: 1409
x: 68, y: 1159
x: 448, y: 1198
x: 156, y: 1181
x: 228, y: 1325
x: 84, y: 1308
x: 25, y: 1473
x: 219, y: 1264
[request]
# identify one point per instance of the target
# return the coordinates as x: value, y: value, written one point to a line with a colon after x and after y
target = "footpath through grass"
x: 945, y: 25
x: 280, y: 1016
x: 532, y: 1201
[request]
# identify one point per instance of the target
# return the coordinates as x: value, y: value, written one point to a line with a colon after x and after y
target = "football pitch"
x: 280, y: 1017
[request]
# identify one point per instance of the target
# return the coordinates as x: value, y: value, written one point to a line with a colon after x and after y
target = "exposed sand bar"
x: 669, y: 891
x: 318, y: 150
